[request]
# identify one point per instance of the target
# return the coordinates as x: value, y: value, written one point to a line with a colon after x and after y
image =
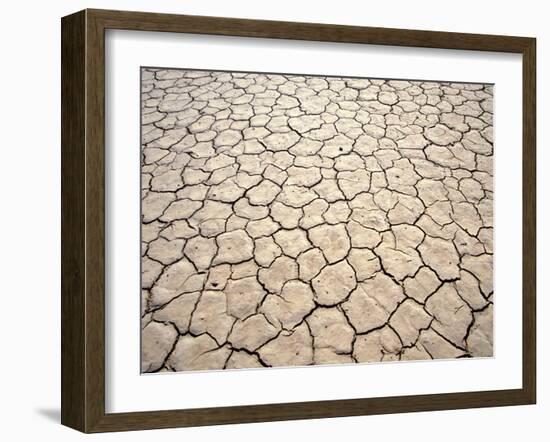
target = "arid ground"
x: 301, y: 220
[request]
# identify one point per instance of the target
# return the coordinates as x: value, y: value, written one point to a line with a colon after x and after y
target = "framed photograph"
x: 269, y: 220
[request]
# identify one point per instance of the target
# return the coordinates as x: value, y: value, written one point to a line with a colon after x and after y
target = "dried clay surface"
x: 301, y: 220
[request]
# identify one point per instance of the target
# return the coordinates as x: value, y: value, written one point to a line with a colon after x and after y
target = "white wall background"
x: 30, y: 216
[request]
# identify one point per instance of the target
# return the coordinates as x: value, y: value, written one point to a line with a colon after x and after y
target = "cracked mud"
x: 300, y: 220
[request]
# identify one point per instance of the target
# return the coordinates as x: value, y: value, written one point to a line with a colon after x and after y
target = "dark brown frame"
x: 83, y: 215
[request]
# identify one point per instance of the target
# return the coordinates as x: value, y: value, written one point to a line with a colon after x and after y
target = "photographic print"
x: 295, y: 220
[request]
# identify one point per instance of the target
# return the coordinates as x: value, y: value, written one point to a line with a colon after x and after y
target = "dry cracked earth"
x: 301, y: 220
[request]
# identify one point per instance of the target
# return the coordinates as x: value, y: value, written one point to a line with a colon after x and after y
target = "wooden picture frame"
x: 83, y: 220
